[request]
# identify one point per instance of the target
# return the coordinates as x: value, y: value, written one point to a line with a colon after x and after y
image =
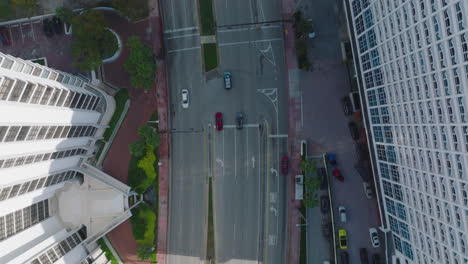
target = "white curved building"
x: 53, y: 205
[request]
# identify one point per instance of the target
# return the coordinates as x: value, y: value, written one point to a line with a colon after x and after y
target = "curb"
x: 114, y: 133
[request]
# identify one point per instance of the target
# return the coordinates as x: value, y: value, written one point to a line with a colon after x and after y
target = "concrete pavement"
x: 243, y: 205
x: 325, y: 126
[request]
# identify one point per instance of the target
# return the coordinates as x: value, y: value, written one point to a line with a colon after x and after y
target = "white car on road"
x: 374, y: 237
x: 367, y: 190
x: 185, y: 98
x: 342, y: 213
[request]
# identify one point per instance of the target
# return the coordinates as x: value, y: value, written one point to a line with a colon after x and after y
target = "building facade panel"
x: 413, y: 58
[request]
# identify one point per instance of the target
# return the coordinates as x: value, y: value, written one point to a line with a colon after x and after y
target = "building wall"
x: 49, y: 122
x: 413, y: 56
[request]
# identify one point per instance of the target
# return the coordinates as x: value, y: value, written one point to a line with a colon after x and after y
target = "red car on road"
x: 284, y: 165
x: 219, y: 121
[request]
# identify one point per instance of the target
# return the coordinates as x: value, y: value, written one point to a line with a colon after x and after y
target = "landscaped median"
x: 143, y: 178
x: 208, y: 32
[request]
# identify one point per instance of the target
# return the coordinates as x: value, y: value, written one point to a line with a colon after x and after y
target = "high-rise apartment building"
x: 412, y: 60
x: 53, y: 204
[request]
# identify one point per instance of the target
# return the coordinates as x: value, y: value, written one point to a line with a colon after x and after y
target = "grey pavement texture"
x: 325, y: 127
x: 249, y: 208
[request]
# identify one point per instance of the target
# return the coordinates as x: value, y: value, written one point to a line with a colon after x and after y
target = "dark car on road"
x: 353, y: 130
x: 347, y: 106
x: 322, y: 174
x: 324, y: 204
x: 227, y: 80
x: 219, y: 121
x: 344, y: 256
x: 375, y: 259
x: 326, y: 228
x: 239, y: 120
x: 363, y: 255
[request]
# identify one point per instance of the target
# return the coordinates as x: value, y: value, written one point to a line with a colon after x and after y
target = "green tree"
x: 89, y: 38
x: 6, y: 9
x: 308, y: 166
x: 138, y: 148
x: 27, y: 5
x: 133, y: 9
x: 311, y: 186
x: 64, y: 13
x: 149, y: 135
x: 144, y: 251
x: 140, y: 64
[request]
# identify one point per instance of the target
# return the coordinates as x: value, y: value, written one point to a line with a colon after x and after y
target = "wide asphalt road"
x: 249, y: 194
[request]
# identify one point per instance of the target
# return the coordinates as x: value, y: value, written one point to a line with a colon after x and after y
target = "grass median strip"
x: 207, y: 17
x: 210, y: 56
x: 210, y: 248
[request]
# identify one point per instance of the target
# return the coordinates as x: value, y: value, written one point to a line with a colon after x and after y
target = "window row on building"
x: 60, y: 249
x: 32, y: 185
x: 14, y: 90
x: 448, y: 111
x: 19, y: 220
x: 25, y: 133
x: 433, y: 236
x: 28, y: 67
x: 24, y: 160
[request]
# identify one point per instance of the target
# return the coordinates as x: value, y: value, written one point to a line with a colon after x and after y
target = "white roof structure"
x: 53, y: 204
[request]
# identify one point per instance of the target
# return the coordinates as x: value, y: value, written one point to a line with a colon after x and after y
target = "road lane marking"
x: 235, y: 156
x: 249, y: 42
x: 185, y: 36
x: 246, y: 29
x: 223, y: 151
x: 247, y: 126
x: 179, y: 29
x: 184, y: 49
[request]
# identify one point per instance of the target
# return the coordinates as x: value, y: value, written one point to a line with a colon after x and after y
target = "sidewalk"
x: 142, y: 106
x: 294, y: 117
x: 162, y: 102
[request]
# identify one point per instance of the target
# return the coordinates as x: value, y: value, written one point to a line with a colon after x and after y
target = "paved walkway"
x: 294, y: 116
x: 142, y: 105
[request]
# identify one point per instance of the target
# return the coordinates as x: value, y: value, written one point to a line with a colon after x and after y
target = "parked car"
x: 239, y: 120
x: 5, y: 36
x: 57, y: 25
x: 342, y: 239
x: 363, y: 256
x: 332, y: 160
x: 219, y: 121
x: 303, y: 148
x: 374, y: 236
x: 347, y: 106
x: 375, y: 259
x: 227, y: 80
x: 353, y: 130
x: 284, y: 165
x: 342, y: 213
x: 337, y: 173
x: 367, y: 190
x: 344, y: 256
x: 48, y: 28
x: 326, y: 228
x: 322, y: 174
x: 185, y: 98
x: 324, y: 204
